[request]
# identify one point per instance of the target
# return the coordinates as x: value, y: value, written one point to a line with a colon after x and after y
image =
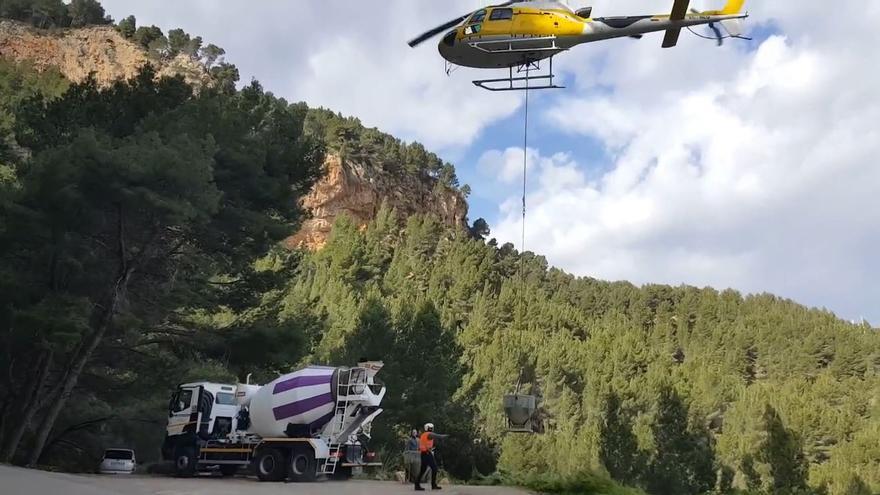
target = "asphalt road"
x: 16, y: 481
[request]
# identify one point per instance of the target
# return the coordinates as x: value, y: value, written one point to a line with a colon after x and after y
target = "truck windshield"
x: 181, y: 401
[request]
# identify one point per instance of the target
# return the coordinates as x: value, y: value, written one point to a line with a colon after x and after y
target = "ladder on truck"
x: 337, y: 427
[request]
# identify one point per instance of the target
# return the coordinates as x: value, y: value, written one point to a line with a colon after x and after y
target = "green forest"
x: 140, y: 231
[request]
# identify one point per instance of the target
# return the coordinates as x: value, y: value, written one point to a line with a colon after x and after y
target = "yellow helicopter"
x: 519, y: 34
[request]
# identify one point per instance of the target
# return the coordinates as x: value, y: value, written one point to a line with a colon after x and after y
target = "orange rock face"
x: 99, y: 49
x: 359, y: 191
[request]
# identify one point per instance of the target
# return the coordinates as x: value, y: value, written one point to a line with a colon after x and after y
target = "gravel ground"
x: 16, y: 481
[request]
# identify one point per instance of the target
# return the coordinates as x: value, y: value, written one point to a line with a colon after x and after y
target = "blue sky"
x: 750, y: 166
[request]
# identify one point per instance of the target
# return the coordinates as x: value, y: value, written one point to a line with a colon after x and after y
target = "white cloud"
x: 753, y: 170
x: 351, y: 57
x: 507, y: 166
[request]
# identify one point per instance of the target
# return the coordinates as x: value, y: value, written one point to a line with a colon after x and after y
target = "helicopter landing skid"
x: 521, y: 83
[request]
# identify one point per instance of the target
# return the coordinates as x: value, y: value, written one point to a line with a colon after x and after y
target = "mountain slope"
x: 98, y: 50
x: 361, y: 172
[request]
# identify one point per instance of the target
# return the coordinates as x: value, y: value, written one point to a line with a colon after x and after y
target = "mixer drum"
x: 296, y: 404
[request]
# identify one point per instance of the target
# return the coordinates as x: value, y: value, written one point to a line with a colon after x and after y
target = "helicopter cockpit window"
x: 478, y: 17
x: 501, y: 15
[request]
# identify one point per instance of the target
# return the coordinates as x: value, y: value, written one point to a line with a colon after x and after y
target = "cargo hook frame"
x: 521, y: 83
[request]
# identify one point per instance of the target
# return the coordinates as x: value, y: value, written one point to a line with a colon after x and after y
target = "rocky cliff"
x: 358, y: 190
x: 98, y: 50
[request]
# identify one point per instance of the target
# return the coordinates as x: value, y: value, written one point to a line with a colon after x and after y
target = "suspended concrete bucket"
x: 520, y: 409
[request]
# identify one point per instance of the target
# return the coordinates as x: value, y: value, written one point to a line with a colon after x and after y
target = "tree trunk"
x: 7, y: 385
x: 29, y: 408
x: 102, y: 319
x: 3, y: 416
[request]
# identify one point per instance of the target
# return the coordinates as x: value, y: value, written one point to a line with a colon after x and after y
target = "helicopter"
x: 519, y: 34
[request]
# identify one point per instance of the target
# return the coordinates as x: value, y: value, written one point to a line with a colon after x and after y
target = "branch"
x: 74, y: 428
x: 128, y: 349
x: 173, y: 329
x: 120, y: 232
x: 133, y: 348
x: 73, y: 446
x: 100, y: 242
x: 174, y: 250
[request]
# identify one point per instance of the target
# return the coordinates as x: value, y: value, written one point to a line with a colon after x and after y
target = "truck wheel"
x: 342, y: 473
x: 228, y: 470
x: 185, y: 461
x: 303, y: 467
x: 270, y: 465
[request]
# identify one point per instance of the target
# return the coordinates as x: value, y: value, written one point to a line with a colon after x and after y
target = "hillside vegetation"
x: 678, y: 390
x: 139, y: 248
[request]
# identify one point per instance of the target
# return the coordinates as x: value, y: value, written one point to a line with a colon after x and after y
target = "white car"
x: 117, y: 461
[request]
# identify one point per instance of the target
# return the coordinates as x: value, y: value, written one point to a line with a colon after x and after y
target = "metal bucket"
x: 519, y: 410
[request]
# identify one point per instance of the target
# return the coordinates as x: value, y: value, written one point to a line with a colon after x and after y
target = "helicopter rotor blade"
x: 437, y: 30
x: 451, y: 24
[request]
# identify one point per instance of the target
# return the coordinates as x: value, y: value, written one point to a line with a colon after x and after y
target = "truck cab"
x: 205, y: 409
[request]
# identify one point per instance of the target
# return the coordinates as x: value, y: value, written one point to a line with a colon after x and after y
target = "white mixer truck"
x: 315, y: 421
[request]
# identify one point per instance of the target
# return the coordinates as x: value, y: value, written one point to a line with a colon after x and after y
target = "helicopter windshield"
x: 478, y: 16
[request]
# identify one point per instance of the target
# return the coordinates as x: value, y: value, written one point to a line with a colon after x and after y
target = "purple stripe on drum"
x: 301, y: 406
x: 301, y: 381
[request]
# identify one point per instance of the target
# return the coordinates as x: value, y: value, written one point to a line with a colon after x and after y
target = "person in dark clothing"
x: 426, y: 448
x: 411, y: 457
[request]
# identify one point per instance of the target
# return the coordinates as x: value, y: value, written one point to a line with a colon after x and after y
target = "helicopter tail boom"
x: 733, y: 7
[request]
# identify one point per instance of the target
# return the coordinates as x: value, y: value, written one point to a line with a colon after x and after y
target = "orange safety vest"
x: 426, y: 443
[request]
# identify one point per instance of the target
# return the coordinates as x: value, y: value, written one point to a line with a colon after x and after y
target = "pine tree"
x: 618, y: 446
x: 782, y: 451
x: 684, y: 459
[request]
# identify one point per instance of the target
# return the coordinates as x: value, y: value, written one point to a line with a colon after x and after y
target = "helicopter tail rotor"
x: 719, y: 37
x: 733, y: 28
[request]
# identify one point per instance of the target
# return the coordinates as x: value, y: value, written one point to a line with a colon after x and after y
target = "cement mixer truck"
x: 315, y: 421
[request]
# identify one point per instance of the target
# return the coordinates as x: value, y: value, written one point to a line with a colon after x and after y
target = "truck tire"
x: 342, y: 474
x: 303, y: 467
x: 228, y: 470
x: 185, y: 461
x: 270, y: 465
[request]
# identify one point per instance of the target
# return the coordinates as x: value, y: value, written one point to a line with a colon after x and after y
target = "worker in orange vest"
x: 426, y: 447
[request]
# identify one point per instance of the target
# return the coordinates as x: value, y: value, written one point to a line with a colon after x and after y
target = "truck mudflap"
x: 361, y: 464
x: 322, y: 450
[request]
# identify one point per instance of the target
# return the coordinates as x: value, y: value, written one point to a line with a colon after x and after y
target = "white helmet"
x: 429, y: 426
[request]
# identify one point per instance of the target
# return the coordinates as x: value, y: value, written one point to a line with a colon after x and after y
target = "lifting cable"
x: 522, y: 264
